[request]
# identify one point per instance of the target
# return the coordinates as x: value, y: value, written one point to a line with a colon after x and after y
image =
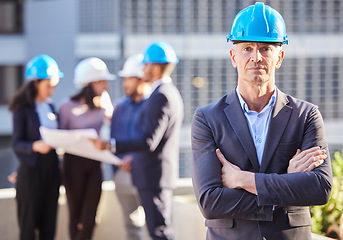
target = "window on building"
x: 11, y: 79
x: 99, y: 16
x: 11, y: 16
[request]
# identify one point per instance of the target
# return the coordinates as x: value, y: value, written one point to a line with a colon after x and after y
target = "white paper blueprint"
x: 77, y: 142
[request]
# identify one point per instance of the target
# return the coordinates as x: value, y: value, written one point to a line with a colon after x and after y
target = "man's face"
x: 130, y: 85
x: 148, y: 72
x: 256, y: 62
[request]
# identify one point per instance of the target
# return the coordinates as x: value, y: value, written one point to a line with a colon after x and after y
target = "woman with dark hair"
x: 38, y: 175
x: 82, y: 177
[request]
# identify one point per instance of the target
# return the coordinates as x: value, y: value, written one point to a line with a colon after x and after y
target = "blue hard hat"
x: 160, y: 52
x: 258, y: 23
x: 42, y: 67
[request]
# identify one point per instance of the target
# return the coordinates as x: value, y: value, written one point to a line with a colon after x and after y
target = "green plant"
x: 328, y: 219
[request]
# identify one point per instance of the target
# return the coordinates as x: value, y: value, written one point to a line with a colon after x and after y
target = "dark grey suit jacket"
x: 156, y: 160
x: 236, y: 213
x: 26, y: 131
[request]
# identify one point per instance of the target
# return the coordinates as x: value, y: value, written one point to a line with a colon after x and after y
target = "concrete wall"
x: 187, y: 219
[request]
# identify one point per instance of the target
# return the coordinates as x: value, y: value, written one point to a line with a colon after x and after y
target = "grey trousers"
x: 133, y: 212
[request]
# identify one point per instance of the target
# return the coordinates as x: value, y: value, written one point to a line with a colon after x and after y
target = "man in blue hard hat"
x: 260, y: 157
x: 155, y: 165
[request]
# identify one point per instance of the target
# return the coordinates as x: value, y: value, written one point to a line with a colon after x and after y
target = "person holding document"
x: 154, y: 168
x: 38, y: 176
x: 82, y: 177
x: 123, y: 127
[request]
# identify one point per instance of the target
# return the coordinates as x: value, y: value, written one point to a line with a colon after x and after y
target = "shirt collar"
x: 245, y: 107
x: 158, y: 82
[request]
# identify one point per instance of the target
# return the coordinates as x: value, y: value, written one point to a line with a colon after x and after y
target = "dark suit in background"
x: 155, y: 166
x: 280, y: 210
x: 124, y: 116
x: 38, y: 178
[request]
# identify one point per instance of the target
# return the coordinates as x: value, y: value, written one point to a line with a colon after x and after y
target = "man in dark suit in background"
x: 271, y: 147
x: 155, y: 166
x: 126, y: 112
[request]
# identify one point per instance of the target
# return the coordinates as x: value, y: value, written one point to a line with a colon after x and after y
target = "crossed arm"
x: 234, y: 177
x: 223, y: 190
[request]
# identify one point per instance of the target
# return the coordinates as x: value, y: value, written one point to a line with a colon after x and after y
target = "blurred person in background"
x: 82, y: 177
x: 38, y: 176
x: 155, y: 166
x: 260, y: 157
x: 123, y: 127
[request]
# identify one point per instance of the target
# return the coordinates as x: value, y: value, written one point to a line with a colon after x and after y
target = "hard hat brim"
x: 256, y: 39
x: 61, y: 74
x: 81, y: 84
x: 111, y: 77
x: 122, y: 73
x: 274, y: 43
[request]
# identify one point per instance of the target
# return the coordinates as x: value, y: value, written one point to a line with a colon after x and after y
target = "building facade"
x: 70, y: 30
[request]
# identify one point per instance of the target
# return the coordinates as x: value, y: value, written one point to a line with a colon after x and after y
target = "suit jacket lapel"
x: 35, y: 121
x: 235, y: 116
x: 277, y: 126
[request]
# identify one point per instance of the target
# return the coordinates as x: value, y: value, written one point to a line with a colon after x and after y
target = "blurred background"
x: 70, y: 30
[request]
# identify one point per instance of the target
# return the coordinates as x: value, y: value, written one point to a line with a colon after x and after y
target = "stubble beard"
x: 259, y: 81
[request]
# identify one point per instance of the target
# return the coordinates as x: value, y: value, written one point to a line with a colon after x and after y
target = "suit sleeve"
x: 20, y: 142
x: 303, y: 188
x: 152, y: 126
x: 214, y: 200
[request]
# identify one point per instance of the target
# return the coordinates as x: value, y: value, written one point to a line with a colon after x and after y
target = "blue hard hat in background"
x: 42, y: 67
x: 258, y: 23
x: 160, y: 52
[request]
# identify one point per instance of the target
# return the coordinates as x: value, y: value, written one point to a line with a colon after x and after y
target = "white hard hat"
x: 89, y: 70
x: 133, y: 66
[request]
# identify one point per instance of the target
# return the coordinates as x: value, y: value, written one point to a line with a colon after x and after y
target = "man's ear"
x: 280, y: 59
x: 233, y: 57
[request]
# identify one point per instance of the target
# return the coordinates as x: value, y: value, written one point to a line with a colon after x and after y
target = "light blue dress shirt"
x: 46, y: 117
x: 258, y: 123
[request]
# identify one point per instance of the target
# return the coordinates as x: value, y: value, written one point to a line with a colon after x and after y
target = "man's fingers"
x: 99, y: 144
x: 308, y: 162
x: 314, y: 165
x: 308, y: 153
x: 224, y: 161
x: 124, y: 167
x: 314, y: 156
x: 221, y: 157
x: 94, y: 142
x: 297, y: 153
x: 313, y: 150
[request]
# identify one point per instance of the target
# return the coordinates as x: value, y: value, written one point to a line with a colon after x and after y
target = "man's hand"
x: 234, y: 177
x: 100, y: 144
x: 126, y: 163
x: 230, y: 172
x: 306, y: 160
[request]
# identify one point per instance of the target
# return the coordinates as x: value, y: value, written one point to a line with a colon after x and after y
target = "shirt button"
x: 259, y: 140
